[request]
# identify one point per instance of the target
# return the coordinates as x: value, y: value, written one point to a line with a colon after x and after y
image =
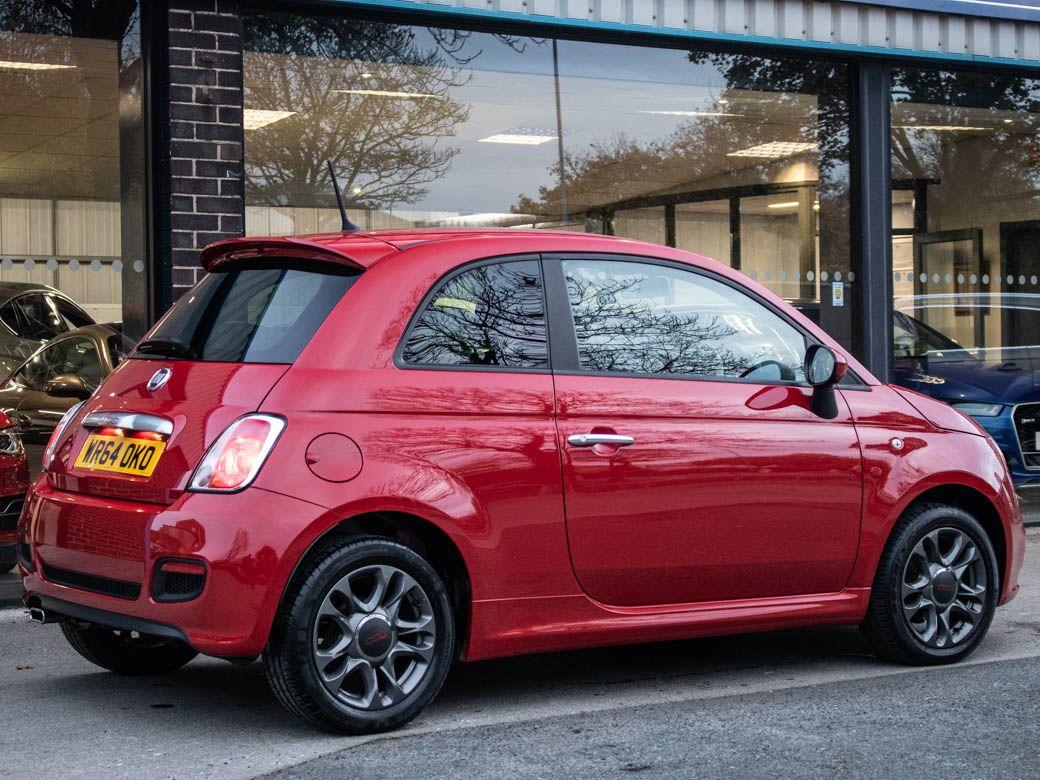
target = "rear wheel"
x: 936, y: 588
x: 365, y: 641
x: 126, y: 652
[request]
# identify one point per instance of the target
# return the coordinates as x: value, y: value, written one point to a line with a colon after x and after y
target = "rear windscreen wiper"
x: 167, y: 347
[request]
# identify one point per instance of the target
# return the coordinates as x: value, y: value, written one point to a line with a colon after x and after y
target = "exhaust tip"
x: 37, y: 614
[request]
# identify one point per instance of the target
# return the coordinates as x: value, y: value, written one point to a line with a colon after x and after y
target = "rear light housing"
x: 52, y: 443
x: 235, y: 459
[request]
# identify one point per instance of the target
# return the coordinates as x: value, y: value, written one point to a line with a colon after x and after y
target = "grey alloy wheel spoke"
x: 356, y: 676
x: 944, y: 635
x: 940, y: 618
x: 391, y: 691
x: 335, y: 678
x: 404, y: 649
x: 380, y: 576
x: 957, y: 546
x: 330, y: 612
x: 370, y: 680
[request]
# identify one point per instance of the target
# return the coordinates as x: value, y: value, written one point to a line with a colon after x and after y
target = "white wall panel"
x: 846, y: 23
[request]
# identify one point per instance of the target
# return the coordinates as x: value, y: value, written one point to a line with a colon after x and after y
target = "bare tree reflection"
x: 367, y: 96
x: 765, y: 100
x: 997, y: 118
x: 619, y: 328
x: 492, y: 315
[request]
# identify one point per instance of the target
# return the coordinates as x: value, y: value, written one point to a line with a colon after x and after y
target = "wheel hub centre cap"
x: 374, y: 637
x: 944, y: 587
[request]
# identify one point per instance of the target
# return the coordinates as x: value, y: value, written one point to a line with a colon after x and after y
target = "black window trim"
x: 564, y: 341
x: 399, y: 359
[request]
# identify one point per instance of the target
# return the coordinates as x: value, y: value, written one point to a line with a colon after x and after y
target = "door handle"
x: 592, y: 439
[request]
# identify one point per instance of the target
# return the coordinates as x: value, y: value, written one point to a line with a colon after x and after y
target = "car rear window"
x: 252, y: 315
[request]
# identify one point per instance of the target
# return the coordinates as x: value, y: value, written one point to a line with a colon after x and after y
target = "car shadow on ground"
x: 218, y: 697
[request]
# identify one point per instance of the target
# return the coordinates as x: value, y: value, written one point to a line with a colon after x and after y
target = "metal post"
x: 872, y: 214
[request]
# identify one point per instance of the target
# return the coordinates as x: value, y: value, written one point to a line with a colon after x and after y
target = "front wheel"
x: 366, y: 639
x: 126, y: 652
x: 936, y: 588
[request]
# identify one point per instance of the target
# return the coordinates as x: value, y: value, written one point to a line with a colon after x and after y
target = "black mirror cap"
x: 823, y: 367
x: 823, y: 370
x: 67, y: 386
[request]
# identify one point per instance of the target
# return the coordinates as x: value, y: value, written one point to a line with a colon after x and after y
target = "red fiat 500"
x: 14, y: 481
x: 364, y: 455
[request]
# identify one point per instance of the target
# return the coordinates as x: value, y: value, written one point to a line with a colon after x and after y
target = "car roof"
x: 364, y: 248
x: 10, y: 290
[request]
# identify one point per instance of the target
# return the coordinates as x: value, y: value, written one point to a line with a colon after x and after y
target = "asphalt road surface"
x: 799, y: 703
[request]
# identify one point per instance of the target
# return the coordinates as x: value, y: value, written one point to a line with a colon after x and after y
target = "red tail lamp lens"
x: 237, y: 458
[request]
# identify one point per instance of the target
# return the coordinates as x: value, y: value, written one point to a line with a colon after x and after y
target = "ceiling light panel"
x: 524, y: 136
x: 774, y: 149
x: 940, y: 128
x: 10, y: 65
x: 689, y: 113
x: 390, y: 93
x: 255, y: 118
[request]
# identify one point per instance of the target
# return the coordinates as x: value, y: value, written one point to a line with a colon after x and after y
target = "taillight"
x: 52, y: 443
x: 236, y: 457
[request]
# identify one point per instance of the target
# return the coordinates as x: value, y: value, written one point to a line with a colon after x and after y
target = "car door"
x: 72, y: 356
x: 694, y: 469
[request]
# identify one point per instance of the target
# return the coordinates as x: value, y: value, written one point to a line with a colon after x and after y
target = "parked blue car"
x: 997, y: 385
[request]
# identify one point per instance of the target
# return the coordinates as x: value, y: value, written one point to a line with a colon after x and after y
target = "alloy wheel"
x: 374, y: 637
x: 944, y: 588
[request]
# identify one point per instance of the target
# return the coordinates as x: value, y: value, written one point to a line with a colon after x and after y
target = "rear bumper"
x: 105, y: 551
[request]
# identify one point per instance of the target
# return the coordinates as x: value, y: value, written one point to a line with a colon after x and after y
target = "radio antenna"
x: 348, y: 226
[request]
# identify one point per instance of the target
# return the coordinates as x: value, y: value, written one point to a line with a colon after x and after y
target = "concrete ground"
x: 809, y: 703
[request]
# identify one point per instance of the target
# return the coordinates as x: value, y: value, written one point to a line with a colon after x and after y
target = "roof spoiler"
x: 232, y: 251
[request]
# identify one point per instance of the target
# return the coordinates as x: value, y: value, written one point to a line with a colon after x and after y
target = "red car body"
x: 14, y: 482
x: 744, y: 511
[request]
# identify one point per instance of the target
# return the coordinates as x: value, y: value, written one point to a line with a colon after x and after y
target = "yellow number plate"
x: 120, y: 455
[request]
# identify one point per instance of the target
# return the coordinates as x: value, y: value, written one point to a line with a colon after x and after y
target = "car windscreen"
x: 249, y: 315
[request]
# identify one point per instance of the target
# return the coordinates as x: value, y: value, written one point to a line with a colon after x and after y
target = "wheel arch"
x: 977, y: 504
x: 413, y: 531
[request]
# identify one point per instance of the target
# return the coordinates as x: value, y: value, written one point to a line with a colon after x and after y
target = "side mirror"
x: 823, y: 370
x: 67, y: 386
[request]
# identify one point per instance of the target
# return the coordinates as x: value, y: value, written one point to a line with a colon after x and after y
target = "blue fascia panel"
x: 706, y: 36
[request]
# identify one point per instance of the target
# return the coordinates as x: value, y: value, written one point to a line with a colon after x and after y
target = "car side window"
x: 12, y: 317
x: 491, y: 315
x: 72, y: 316
x: 76, y: 356
x: 41, y: 317
x: 643, y: 318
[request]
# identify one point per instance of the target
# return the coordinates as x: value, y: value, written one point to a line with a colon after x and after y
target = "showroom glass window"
x: 72, y: 168
x: 966, y: 247
x: 741, y: 158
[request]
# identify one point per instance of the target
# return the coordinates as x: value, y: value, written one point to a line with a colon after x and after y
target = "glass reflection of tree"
x: 492, y: 315
x: 385, y: 148
x: 965, y: 162
x: 620, y: 329
x: 808, y: 101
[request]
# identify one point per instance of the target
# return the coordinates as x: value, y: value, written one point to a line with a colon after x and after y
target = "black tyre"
x: 126, y: 652
x: 936, y: 588
x: 364, y: 641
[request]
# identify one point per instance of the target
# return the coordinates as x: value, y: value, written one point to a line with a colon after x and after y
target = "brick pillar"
x: 200, y: 135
